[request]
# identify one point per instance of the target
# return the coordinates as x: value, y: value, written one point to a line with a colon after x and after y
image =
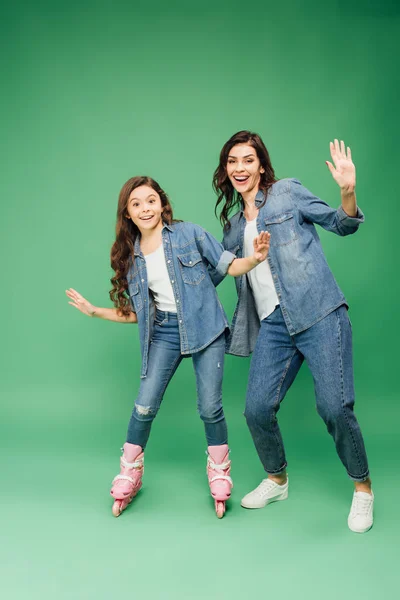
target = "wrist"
x: 94, y: 312
x: 253, y: 261
x: 348, y: 190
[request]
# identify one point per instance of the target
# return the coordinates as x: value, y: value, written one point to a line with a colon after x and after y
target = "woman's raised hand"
x: 261, y: 246
x: 343, y: 171
x: 80, y: 303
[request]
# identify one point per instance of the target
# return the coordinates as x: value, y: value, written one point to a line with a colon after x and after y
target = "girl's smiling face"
x: 244, y: 168
x: 144, y: 208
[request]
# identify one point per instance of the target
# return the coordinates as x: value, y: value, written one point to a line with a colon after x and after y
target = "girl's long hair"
x: 227, y: 195
x: 126, y: 232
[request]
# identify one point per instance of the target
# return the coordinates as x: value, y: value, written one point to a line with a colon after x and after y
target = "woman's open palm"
x: 343, y: 170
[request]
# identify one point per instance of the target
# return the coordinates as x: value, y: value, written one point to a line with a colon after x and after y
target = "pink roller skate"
x: 218, y: 471
x: 126, y: 485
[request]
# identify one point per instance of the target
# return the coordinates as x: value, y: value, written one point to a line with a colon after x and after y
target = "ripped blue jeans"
x: 164, y: 358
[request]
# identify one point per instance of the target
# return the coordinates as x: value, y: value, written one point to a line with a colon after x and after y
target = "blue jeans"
x: 327, y: 349
x: 164, y: 358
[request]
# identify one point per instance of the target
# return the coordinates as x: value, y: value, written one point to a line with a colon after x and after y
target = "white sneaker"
x: 268, y: 491
x: 361, y: 513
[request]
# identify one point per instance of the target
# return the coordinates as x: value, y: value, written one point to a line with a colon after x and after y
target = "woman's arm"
x: 241, y: 266
x: 348, y: 217
x: 109, y: 314
x: 344, y: 173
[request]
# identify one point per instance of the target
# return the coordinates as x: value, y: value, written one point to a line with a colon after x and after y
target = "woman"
x: 162, y: 264
x: 291, y: 309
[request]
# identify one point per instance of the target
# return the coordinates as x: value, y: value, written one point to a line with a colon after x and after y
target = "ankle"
x: 363, y: 486
x: 280, y: 479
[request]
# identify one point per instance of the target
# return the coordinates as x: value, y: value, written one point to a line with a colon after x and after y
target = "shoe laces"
x: 265, y: 486
x: 362, y: 504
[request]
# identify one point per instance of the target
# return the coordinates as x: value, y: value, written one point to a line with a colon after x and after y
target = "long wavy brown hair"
x: 227, y: 195
x: 126, y: 232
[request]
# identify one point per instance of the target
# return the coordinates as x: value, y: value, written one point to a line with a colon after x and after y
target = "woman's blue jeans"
x: 164, y: 358
x: 327, y: 349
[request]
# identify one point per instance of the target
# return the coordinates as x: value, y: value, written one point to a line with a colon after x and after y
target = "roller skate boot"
x: 218, y: 472
x: 126, y: 485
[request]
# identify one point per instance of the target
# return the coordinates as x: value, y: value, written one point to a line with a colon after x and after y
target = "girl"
x: 291, y: 309
x: 162, y: 283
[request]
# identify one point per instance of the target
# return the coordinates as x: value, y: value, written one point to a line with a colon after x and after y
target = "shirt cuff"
x: 224, y: 262
x: 347, y: 221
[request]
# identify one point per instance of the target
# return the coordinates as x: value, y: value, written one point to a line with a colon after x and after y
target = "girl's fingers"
x: 337, y: 148
x: 342, y: 148
x: 71, y: 293
x: 75, y: 293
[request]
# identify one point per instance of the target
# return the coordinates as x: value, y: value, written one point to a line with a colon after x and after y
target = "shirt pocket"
x: 282, y: 229
x: 191, y: 267
x: 136, y: 296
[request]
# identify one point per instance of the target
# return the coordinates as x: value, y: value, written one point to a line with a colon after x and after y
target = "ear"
x: 127, y: 216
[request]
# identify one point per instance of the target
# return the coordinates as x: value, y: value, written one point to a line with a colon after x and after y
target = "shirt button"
x: 190, y: 262
x: 177, y: 301
x: 180, y: 320
x: 172, y: 281
x: 142, y: 280
x: 168, y: 261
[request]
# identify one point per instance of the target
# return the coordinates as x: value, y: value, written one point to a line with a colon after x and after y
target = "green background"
x: 94, y: 93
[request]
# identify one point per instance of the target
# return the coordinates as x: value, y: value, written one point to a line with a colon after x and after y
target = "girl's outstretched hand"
x: 344, y: 171
x: 261, y: 246
x: 80, y: 303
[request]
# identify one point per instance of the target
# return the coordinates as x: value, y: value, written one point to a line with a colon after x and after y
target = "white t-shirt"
x: 158, y: 280
x: 260, y: 278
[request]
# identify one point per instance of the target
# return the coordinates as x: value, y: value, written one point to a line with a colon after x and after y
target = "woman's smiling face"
x: 244, y: 168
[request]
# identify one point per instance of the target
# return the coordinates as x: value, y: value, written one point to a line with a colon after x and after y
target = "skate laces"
x: 123, y: 477
x: 219, y: 467
x: 136, y: 464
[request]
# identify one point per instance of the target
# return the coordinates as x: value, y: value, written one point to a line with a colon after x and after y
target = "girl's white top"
x: 158, y: 280
x: 260, y: 278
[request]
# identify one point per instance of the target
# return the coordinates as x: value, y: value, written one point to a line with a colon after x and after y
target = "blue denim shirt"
x: 190, y: 252
x: 304, y: 283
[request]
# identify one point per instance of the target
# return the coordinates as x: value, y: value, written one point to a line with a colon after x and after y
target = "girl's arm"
x: 241, y: 266
x: 109, y: 314
x: 222, y: 262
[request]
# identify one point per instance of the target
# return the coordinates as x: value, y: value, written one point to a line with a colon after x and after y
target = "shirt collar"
x: 136, y: 247
x: 259, y: 199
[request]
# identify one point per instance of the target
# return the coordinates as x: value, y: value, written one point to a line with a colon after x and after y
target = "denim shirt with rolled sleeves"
x: 306, y: 288
x: 190, y: 252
